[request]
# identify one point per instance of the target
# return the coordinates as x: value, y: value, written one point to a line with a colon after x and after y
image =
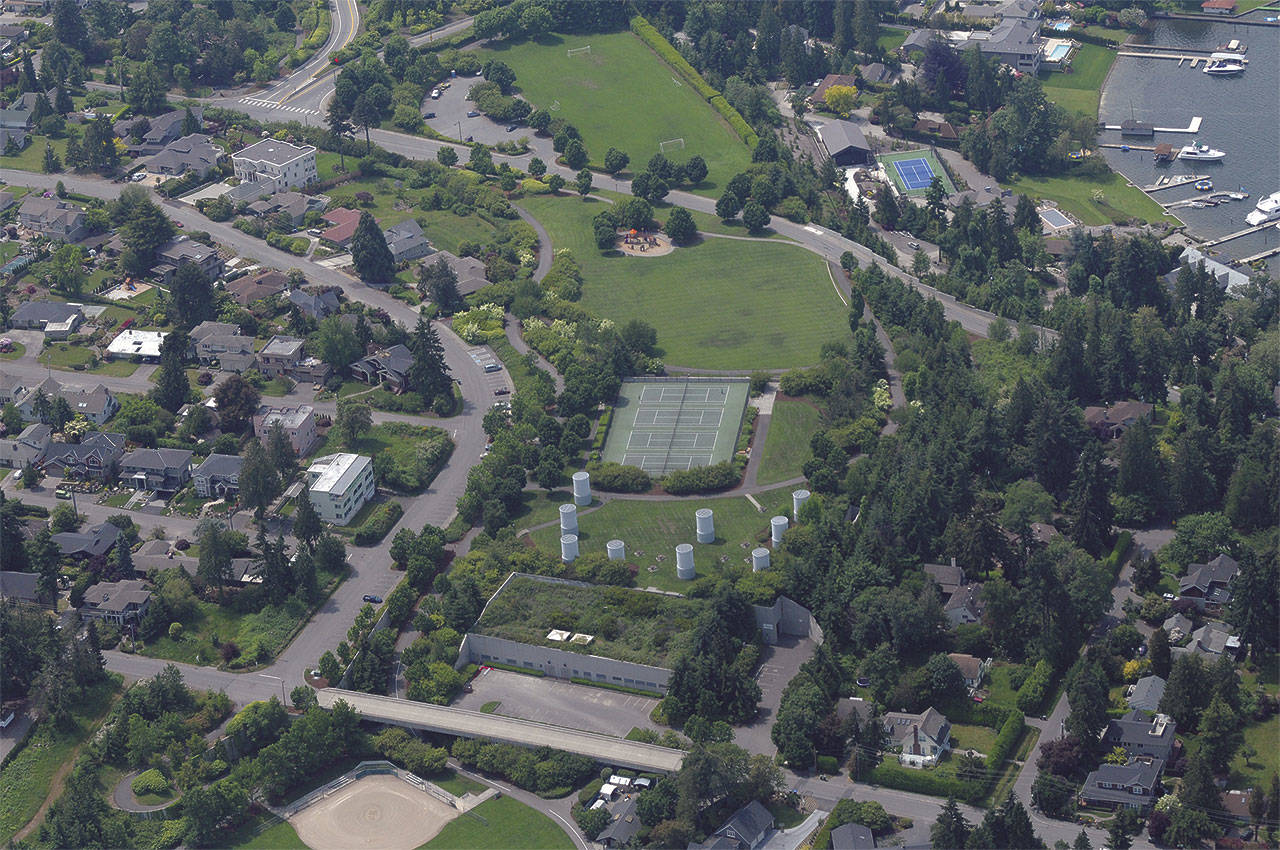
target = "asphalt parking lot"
x: 451, y: 116
x: 558, y: 702
x: 778, y: 664
x: 496, y: 381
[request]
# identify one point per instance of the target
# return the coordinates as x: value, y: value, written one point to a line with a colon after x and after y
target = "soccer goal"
x: 671, y: 145
x: 555, y: 107
x: 579, y: 51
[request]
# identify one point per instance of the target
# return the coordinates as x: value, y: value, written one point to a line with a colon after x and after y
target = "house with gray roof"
x: 317, y: 303
x: 92, y: 457
x: 53, y: 217
x: 296, y: 204
x: 93, y: 541
x: 1141, y: 735
x: 284, y: 355
x: 57, y: 319
x: 1133, y: 786
x: 1209, y: 584
x: 96, y: 403
x: 470, y: 272
x: 276, y: 165
x: 233, y: 352
x: 1211, y: 640
x: 845, y: 142
x: 116, y: 602
x: 196, y: 152
x: 265, y: 284
x: 183, y: 249
x: 390, y: 365
x: 922, y: 738
x: 164, y: 470
x: 407, y: 241
x: 27, y: 448
x: 162, y: 130
x: 1014, y: 41
x: 19, y: 587
x: 218, y: 476
x: 852, y: 836
x: 745, y: 830
x: 1146, y: 694
x: 624, y: 826
x: 1178, y: 626
x: 209, y: 328
x: 299, y: 424
x: 1232, y: 280
x: 15, y: 117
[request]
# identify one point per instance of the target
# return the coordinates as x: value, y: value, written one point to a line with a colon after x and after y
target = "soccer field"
x: 623, y: 95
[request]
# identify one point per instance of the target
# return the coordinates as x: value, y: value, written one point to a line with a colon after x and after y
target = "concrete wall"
x: 562, y: 664
x: 789, y: 618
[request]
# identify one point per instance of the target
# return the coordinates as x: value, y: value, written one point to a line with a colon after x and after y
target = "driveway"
x: 559, y: 703
x: 14, y: 732
x: 790, y: 839
x: 778, y: 664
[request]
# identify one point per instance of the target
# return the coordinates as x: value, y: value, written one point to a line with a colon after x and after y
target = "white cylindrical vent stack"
x: 684, y: 562
x: 568, y: 547
x: 778, y: 526
x: 706, y: 525
x: 568, y: 519
x: 582, y: 488
x: 617, y: 550
x: 759, y: 559
x: 798, y: 498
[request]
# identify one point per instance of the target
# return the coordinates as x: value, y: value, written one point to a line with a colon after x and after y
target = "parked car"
x: 376, y: 600
x: 435, y: 94
x: 429, y: 115
x: 511, y: 128
x: 915, y: 246
x: 502, y: 391
x: 492, y: 367
x: 62, y: 493
x: 473, y: 114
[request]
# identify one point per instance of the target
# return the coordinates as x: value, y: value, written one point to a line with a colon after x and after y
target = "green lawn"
x: 890, y: 38
x: 1001, y: 692
x: 447, y: 230
x: 277, y: 387
x: 507, y: 823
x: 403, y: 441
x: 964, y: 737
x: 1079, y: 90
x: 720, y: 304
x: 456, y: 784
x: 622, y: 95
x: 786, y: 816
x: 786, y: 446
x: 31, y: 158
x: 1120, y: 201
x: 1264, y: 737
x: 65, y: 356
x: 539, y: 506
x: 281, y: 836
x: 25, y: 781
x: 652, y: 530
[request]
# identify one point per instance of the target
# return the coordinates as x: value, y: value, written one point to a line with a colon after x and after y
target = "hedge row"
x: 320, y: 34
x: 1034, y: 690
x: 618, y: 478
x: 928, y: 782
x: 977, y: 713
x: 1116, y: 557
x: 1010, y: 734
x: 602, y: 430
x: 702, y: 479
x: 511, y: 668
x: 623, y: 689
x: 650, y: 36
x: 377, y: 526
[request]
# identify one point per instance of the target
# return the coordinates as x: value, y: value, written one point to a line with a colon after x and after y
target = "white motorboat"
x: 1224, y: 65
x: 1268, y: 209
x: 1202, y: 152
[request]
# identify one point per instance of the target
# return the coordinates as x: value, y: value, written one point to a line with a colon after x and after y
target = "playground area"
x: 633, y: 243
x: 126, y: 291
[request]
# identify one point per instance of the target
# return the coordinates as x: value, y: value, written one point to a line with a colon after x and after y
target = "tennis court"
x: 913, y: 171
x: 662, y: 425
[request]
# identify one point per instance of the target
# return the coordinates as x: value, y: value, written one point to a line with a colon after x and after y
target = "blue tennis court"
x: 915, y: 173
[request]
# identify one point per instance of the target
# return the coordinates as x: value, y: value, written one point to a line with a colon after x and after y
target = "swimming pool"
x: 1058, y: 52
x: 1055, y: 219
x: 1062, y: 26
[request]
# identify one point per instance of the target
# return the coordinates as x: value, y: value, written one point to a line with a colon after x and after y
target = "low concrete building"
x: 116, y: 602
x: 299, y: 424
x: 57, y: 319
x: 93, y: 541
x: 163, y: 470
x: 340, y: 484
x: 137, y: 345
x: 27, y: 448
x: 218, y: 477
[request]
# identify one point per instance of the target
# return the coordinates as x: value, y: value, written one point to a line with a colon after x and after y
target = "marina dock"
x: 1238, y: 234
x: 1193, y: 127
x: 1128, y: 147
x: 1262, y: 255
x: 1174, y: 182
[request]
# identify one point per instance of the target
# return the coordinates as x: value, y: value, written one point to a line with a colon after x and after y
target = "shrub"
x: 650, y: 36
x: 377, y: 526
x: 736, y: 121
x: 618, y: 478
x: 149, y: 782
x: 702, y: 479
x: 1006, y: 740
x: 1034, y: 690
x: 828, y: 764
x: 926, y: 782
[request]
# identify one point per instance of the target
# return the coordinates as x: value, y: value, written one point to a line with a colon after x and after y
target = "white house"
x: 340, y: 485
x: 141, y: 344
x: 276, y: 166
x: 923, y: 738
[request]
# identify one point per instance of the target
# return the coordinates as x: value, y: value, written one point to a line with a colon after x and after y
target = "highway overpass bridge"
x: 526, y: 733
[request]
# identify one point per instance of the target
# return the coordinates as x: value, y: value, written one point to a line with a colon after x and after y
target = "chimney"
x: 953, y: 561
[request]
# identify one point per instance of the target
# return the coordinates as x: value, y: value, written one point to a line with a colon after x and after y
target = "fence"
x: 370, y: 768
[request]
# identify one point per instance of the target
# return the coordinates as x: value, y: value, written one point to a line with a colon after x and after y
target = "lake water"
x: 1241, y: 115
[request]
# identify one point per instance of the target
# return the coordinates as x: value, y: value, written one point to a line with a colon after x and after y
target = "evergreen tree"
x: 272, y: 565
x: 306, y: 523
x: 887, y: 211
x: 950, y: 830
x: 429, y: 373
x: 1089, y: 505
x: 353, y: 419
x: 1117, y: 837
x: 337, y: 121
x: 122, y: 560
x: 280, y: 453
x: 191, y: 296
x: 190, y: 124
x: 369, y: 252
x: 1186, y: 693
x: 1025, y: 215
x: 1159, y: 653
x: 215, y: 555
x: 172, y: 387
x: 1254, y: 608
x: 1220, y: 734
x: 51, y: 164
x: 258, y: 480
x: 1140, y: 475
x: 1082, y: 840
x: 681, y: 227
x: 1088, y: 699
x: 62, y: 103
x: 1198, y: 790
x: 439, y: 282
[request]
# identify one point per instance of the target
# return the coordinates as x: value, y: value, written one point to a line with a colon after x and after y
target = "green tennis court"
x: 913, y: 171
x: 662, y: 425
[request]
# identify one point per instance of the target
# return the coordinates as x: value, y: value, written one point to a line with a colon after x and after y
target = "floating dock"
x: 1128, y: 147
x: 1193, y: 127
x: 1261, y: 255
x: 1174, y: 182
x: 1257, y: 229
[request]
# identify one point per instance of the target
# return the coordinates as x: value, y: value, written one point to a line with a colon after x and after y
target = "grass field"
x: 26, y: 780
x: 540, y: 506
x: 720, y: 304
x: 1002, y: 691
x: 509, y: 824
x: 457, y: 785
x: 1264, y: 737
x: 891, y: 38
x: 280, y: 836
x: 1120, y: 201
x: 786, y: 446
x: 1079, y: 91
x: 652, y: 530
x: 622, y: 95
x: 65, y: 356
x: 964, y: 737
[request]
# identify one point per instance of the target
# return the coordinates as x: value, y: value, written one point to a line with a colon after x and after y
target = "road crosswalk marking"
x: 253, y: 101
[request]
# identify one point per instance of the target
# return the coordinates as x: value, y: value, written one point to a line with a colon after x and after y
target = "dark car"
x: 511, y: 128
x: 429, y: 115
x: 473, y: 114
x: 376, y: 600
x: 502, y: 391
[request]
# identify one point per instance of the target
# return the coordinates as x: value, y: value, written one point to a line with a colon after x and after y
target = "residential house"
x: 16, y: 116
x: 94, y: 541
x: 57, y: 319
x: 232, y: 352
x: 13, y: 138
x: 16, y: 33
x: 184, y: 250
x: 1146, y: 694
x: 948, y: 577
x: 819, y: 96
x: 923, y: 738
x: 296, y: 204
x: 161, y: 131
x: 852, y: 836
x: 624, y: 826
x: 265, y: 284
x: 6, y: 200
x: 845, y: 143
x: 745, y: 830
x: 316, y: 303
x: 850, y: 706
x: 961, y: 600
x: 1140, y: 735
x: 284, y: 356
x: 340, y: 485
x: 1110, y: 423
x: 875, y: 72
x: 54, y: 218
x: 12, y: 389
x: 137, y: 345
x: 1209, y: 584
x: 1178, y: 626
x: 941, y: 129
x: 1218, y: 7
x: 390, y: 365
x: 971, y: 667
x: 27, y: 448
x: 164, y: 470
x: 19, y: 587
x: 210, y: 328
x: 96, y: 404
x: 343, y: 228
x: 299, y: 424
x: 91, y: 458
x: 470, y: 272
x: 1211, y: 640
x: 196, y: 152
x: 276, y: 165
x: 218, y: 476
x: 117, y: 602
x: 407, y: 241
x: 1231, y: 280
x: 1134, y: 785
x: 1016, y: 42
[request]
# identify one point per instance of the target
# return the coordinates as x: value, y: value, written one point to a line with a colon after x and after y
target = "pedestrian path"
x: 254, y: 101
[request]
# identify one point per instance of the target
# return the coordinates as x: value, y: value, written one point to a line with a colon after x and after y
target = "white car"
x: 435, y: 94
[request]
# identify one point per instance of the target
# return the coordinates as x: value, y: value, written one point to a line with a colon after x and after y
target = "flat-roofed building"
x: 299, y: 424
x: 276, y: 165
x: 340, y: 485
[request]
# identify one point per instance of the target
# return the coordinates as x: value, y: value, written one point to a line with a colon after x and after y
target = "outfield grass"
x: 456, y: 784
x: 623, y: 95
x: 720, y: 304
x: 508, y: 823
x: 652, y: 530
x: 1120, y: 201
x: 281, y: 836
x: 65, y: 356
x: 1080, y: 90
x: 1264, y: 737
x: 25, y: 781
x: 786, y: 446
